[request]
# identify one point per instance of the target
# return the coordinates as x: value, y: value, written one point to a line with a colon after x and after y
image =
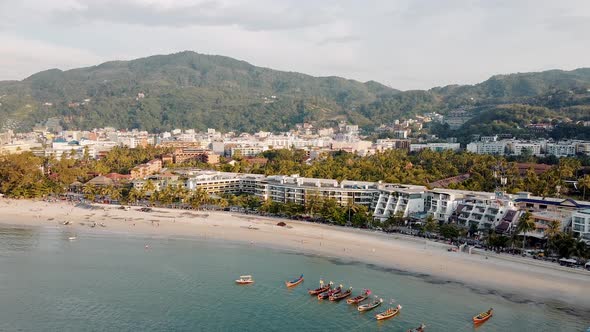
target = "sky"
x: 405, y: 44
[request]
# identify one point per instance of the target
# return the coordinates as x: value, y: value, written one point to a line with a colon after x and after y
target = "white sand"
x: 523, y: 278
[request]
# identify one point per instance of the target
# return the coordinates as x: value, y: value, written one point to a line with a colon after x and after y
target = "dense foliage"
x: 190, y: 90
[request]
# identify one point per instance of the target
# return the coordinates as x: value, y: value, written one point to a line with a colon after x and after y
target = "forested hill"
x: 191, y: 90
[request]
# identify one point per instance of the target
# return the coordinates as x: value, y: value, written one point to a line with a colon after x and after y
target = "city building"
x: 435, y: 146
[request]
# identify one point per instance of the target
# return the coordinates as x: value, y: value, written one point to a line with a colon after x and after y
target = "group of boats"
x: 336, y: 294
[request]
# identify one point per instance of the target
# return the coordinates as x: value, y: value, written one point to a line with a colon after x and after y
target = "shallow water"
x: 113, y: 283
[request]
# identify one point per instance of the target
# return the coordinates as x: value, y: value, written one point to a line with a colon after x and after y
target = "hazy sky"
x: 406, y: 44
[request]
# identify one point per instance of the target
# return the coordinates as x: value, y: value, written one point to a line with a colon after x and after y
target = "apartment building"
x: 435, y: 146
x: 394, y: 199
x: 482, y: 209
x: 441, y: 203
x: 518, y: 147
x: 488, y: 147
x: 149, y: 168
x: 581, y: 223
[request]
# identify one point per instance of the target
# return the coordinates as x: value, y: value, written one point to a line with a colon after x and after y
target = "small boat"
x: 245, y: 280
x: 341, y: 295
x: 323, y: 288
x: 484, y: 316
x: 370, y: 306
x: 72, y: 238
x: 389, y: 313
x: 295, y: 282
x: 420, y: 328
x: 329, y: 293
x: 360, y: 298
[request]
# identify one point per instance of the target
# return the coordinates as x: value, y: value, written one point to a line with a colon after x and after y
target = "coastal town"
x: 384, y: 204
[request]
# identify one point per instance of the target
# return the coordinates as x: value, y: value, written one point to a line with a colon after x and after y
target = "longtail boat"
x: 329, y: 293
x: 323, y: 288
x: 484, y: 316
x: 370, y: 306
x: 341, y: 295
x: 245, y: 280
x: 389, y: 313
x: 294, y: 282
x: 360, y: 298
x: 420, y: 328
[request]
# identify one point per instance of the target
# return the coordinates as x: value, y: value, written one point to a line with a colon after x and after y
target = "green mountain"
x: 191, y: 90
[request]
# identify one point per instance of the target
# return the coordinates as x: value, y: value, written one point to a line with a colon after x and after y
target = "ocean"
x: 112, y: 282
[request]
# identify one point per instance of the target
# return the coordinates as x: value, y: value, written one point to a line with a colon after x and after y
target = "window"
x: 543, y: 207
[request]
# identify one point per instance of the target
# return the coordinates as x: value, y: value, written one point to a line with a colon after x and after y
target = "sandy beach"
x: 515, y: 279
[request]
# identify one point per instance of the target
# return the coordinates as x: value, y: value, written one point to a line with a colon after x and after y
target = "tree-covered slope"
x: 192, y: 90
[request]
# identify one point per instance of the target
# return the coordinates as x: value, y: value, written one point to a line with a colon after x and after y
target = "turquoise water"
x: 113, y: 283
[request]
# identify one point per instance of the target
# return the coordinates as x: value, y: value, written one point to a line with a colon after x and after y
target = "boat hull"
x: 340, y: 296
x: 357, y: 300
x: 327, y: 294
x: 240, y: 282
x: 293, y: 283
x: 388, y: 314
x: 479, y: 319
x: 318, y: 291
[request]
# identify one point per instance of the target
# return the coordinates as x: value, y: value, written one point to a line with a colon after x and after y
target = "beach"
x: 516, y: 279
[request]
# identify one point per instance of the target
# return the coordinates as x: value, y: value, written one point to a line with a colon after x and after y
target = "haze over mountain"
x: 191, y: 90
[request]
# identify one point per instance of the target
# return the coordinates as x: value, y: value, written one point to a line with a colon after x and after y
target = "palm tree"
x: 553, y: 229
x: 90, y: 191
x: 526, y: 223
x: 585, y: 184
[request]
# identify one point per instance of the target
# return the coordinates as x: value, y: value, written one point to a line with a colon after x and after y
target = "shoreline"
x: 512, y: 279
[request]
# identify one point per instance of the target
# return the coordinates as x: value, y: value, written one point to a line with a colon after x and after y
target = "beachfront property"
x: 441, y: 203
x: 526, y: 201
x: 482, y: 209
x: 397, y: 199
x: 581, y: 223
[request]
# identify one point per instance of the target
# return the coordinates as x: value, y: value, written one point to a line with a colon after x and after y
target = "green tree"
x: 430, y: 225
x: 526, y: 223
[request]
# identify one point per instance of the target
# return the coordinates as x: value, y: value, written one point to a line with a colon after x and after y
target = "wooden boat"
x: 420, y: 328
x: 294, y: 282
x: 323, y: 288
x: 360, y: 298
x: 245, y: 280
x: 389, y: 313
x: 370, y: 306
x: 341, y: 295
x: 329, y: 293
x: 484, y: 316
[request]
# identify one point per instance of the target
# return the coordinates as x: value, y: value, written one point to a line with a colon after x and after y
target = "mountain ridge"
x: 188, y: 89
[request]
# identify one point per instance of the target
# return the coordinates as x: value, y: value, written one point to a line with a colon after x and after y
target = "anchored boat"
x: 370, y: 306
x: 245, y: 280
x: 484, y: 316
x: 294, y: 282
x: 391, y: 312
x: 329, y: 293
x: 341, y: 295
x: 323, y: 288
x: 360, y: 298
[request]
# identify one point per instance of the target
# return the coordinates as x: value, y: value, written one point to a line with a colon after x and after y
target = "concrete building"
x: 482, y: 209
x: 518, y: 147
x: 581, y: 223
x: 441, y: 203
x: 394, y: 199
x: 488, y: 147
x: 435, y: 146
x: 561, y: 149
